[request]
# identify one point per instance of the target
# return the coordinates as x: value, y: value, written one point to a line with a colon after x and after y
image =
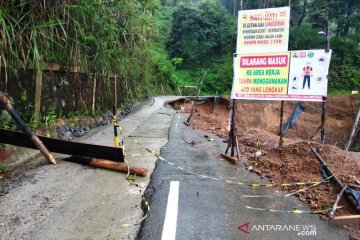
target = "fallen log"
x: 349, y: 196
x: 229, y: 158
x: 106, y: 164
x: 36, y: 141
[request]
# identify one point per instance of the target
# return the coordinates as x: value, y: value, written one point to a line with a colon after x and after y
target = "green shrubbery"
x: 102, y: 37
x: 203, y: 34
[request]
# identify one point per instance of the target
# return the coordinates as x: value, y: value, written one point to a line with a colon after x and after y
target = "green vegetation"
x: 112, y: 37
x: 203, y: 35
x: 2, y: 168
x: 154, y: 46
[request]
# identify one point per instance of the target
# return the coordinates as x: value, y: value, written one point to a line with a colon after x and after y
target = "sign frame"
x: 263, y: 30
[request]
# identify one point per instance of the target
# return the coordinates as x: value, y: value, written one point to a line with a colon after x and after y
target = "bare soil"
x: 257, y: 129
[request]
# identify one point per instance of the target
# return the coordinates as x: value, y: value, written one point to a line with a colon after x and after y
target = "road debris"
x: 106, y: 164
x: 332, y: 212
x: 229, y: 158
x: 29, y: 134
x: 295, y: 161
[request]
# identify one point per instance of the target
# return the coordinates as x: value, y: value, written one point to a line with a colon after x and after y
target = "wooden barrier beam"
x: 37, y: 143
x: 229, y: 158
x: 62, y: 146
x: 115, y: 166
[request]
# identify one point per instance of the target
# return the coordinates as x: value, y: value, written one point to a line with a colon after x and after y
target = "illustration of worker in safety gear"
x: 307, y: 74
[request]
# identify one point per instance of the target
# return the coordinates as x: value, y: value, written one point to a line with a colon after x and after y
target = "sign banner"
x: 261, y: 76
x: 308, y: 74
x: 266, y: 76
x: 263, y: 30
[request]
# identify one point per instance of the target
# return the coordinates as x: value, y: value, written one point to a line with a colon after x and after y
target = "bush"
x: 344, y: 78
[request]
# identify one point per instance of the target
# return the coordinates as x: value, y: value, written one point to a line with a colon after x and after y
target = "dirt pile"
x: 297, y: 163
x: 262, y: 117
x: 258, y: 127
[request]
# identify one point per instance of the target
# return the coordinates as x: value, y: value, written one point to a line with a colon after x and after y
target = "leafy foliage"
x: 201, y: 33
x: 191, y: 24
x: 305, y: 37
x: 102, y: 37
x: 156, y: 45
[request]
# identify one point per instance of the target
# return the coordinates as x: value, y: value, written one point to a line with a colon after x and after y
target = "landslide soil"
x: 257, y: 129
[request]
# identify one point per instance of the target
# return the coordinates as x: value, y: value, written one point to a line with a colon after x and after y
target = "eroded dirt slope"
x: 258, y: 127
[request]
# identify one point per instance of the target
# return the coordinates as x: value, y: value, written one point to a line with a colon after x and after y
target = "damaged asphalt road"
x: 71, y: 201
x: 209, y: 209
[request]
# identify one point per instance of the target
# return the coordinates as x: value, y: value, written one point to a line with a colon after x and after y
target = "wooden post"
x: 323, y: 120
x: 232, y: 129
x: 93, y: 94
x: 115, y: 92
x: 162, y: 89
x: 5, y: 71
x: 353, y: 130
x: 233, y: 135
x: 37, y: 101
x: 179, y: 90
x: 187, y: 122
x: 281, y: 141
x: 233, y: 143
x: 324, y: 107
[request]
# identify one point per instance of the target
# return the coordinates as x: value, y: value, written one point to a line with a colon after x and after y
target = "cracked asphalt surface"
x: 70, y: 201
x: 209, y: 209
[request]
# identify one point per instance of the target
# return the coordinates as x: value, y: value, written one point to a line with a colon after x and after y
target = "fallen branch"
x: 353, y: 130
x: 106, y: 164
x: 335, y: 179
x: 338, y: 197
x: 37, y: 142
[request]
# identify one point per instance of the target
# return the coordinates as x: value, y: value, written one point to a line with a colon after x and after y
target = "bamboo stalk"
x: 335, y: 178
x: 353, y: 130
x: 37, y: 142
x: 338, y: 197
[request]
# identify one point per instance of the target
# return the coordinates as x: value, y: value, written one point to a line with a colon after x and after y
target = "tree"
x: 201, y: 32
x: 304, y: 37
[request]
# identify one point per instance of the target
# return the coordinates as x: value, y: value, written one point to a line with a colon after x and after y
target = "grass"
x: 2, y: 168
x: 338, y: 92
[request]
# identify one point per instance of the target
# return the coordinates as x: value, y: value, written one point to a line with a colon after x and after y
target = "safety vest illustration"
x: 307, y: 70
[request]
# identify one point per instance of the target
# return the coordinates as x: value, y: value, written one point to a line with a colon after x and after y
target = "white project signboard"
x: 296, y: 75
x: 308, y: 75
x: 263, y: 30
